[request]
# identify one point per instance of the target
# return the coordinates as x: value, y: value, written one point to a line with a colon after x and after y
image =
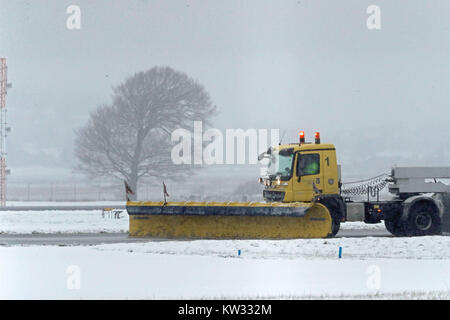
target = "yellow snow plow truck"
x: 304, y: 199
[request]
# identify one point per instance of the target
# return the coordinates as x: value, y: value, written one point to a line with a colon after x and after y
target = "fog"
x: 380, y: 95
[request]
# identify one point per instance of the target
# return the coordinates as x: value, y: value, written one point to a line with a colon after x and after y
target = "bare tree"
x: 130, y: 139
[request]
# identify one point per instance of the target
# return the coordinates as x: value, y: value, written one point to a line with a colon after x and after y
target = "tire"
x: 424, y: 220
x: 335, y: 226
x: 396, y: 228
x: 335, y: 207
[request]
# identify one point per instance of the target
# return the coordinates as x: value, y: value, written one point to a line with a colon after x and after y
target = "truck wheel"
x: 396, y: 228
x: 335, y: 207
x: 424, y: 219
x: 335, y: 226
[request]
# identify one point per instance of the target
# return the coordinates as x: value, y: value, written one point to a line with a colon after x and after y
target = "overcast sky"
x: 292, y: 65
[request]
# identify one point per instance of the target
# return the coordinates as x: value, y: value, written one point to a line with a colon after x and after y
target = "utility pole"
x: 4, y: 85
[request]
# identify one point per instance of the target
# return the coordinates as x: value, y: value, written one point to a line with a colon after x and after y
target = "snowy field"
x: 65, y: 203
x: 213, y: 269
x: 370, y: 267
x: 89, y: 221
x: 421, y: 248
x: 53, y: 221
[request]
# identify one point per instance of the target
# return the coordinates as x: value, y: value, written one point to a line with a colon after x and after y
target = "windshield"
x: 280, y: 164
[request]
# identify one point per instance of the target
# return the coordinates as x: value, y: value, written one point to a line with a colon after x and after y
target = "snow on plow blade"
x: 228, y: 220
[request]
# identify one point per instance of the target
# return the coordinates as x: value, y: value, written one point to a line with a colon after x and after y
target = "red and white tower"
x: 3, y: 129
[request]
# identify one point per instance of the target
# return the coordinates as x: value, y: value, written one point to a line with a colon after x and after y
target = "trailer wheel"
x: 396, y: 228
x: 424, y: 219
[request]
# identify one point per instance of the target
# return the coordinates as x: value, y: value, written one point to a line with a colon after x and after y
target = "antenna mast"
x: 4, y: 85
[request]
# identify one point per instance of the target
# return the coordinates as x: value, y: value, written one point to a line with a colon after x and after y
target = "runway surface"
x: 89, y: 239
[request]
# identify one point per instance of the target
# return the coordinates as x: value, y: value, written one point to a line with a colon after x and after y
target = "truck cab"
x: 300, y: 172
x: 305, y: 172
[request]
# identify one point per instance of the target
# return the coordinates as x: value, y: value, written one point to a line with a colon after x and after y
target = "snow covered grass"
x: 371, y: 267
x: 64, y: 203
x: 54, y: 221
x: 432, y: 247
x: 405, y: 295
x: 89, y: 273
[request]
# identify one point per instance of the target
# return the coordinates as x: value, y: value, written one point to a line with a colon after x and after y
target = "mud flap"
x: 229, y: 220
x: 443, y: 200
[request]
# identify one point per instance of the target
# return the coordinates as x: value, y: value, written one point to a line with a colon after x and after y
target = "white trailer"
x: 421, y: 204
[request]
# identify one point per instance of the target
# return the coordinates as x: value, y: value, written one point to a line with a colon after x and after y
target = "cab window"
x: 308, y: 164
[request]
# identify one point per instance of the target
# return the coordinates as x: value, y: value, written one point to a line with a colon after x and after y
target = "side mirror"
x: 265, y: 154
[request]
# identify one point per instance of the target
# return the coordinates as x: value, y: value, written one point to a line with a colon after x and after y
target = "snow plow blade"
x: 228, y: 220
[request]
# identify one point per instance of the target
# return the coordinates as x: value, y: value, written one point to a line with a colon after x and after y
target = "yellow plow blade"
x: 228, y: 220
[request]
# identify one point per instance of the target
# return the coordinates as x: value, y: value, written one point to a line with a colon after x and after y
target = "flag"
x: 128, y: 190
x: 165, y: 192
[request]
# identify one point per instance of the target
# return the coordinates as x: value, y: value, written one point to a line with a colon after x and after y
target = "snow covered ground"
x: 362, y: 226
x: 370, y: 267
x: 127, y: 272
x: 54, y: 221
x: 423, y: 248
x: 65, y: 203
x: 89, y: 221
